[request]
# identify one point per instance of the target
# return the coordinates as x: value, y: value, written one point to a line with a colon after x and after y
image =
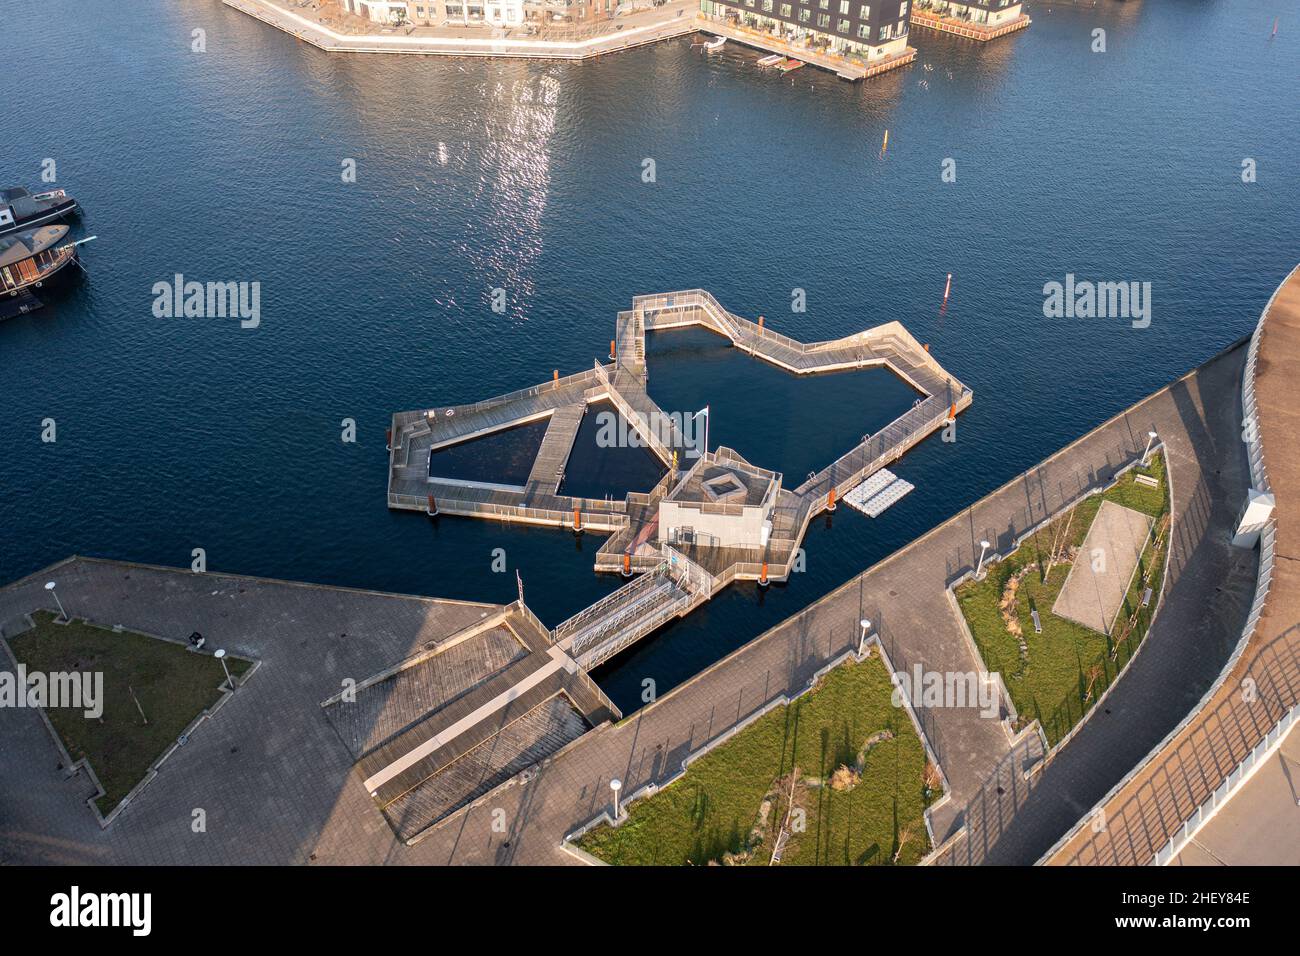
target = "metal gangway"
x: 674, y: 588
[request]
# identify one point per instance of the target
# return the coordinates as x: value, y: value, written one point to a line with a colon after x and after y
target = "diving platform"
x: 714, y: 517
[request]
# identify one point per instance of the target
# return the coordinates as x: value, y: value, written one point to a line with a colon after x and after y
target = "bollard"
x: 830, y: 504
x: 760, y: 321
x: 762, y: 576
x: 577, y: 521
x: 627, y: 565
x: 555, y: 376
x: 388, y: 439
x: 613, y: 353
x: 433, y: 507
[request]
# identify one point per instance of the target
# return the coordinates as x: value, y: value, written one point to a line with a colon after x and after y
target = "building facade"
x: 990, y: 13
x: 387, y: 12
x: 870, y: 29
x: 504, y: 14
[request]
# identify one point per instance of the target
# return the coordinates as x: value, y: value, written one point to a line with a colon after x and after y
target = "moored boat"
x: 715, y: 44
x: 31, y: 258
x: 20, y: 209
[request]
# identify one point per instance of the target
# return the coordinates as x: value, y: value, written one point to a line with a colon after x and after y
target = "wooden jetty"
x: 755, y: 524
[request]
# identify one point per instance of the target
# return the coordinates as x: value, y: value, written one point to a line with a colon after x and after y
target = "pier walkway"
x: 635, y: 544
x: 675, y: 587
x: 844, y: 67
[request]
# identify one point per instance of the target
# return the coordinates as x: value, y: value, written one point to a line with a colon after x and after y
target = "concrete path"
x: 1207, y: 592
x: 1143, y: 815
x: 1249, y: 830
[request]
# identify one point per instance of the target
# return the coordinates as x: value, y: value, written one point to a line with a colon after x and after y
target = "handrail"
x: 887, y: 444
x: 531, y: 392
x: 596, y: 611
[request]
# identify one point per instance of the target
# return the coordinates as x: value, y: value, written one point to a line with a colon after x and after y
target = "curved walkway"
x: 1141, y: 816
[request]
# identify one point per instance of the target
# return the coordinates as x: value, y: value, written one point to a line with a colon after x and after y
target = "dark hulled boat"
x: 20, y: 210
x: 27, y: 261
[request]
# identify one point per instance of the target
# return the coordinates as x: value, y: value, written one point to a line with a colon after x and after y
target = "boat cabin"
x: 27, y: 258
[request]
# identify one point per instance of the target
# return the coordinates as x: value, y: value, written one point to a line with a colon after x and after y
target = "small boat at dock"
x: 789, y: 65
x: 19, y: 209
x: 717, y: 43
x: 30, y: 259
x: 771, y: 60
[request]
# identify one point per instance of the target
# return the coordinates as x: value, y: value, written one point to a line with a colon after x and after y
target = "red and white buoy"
x: 947, y: 287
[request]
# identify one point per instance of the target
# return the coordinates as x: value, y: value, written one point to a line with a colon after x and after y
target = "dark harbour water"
x: 472, y: 175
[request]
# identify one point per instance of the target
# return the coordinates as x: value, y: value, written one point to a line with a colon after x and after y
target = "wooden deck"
x: 843, y: 67
x: 965, y: 28
x: 633, y: 547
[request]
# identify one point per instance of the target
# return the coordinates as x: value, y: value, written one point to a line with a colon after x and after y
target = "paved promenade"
x: 1143, y: 815
x: 277, y: 784
x: 650, y: 26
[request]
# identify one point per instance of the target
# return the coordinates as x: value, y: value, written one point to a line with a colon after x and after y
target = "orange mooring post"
x: 830, y: 504
x: 555, y: 376
x: 433, y: 506
x: 577, y: 519
x: 627, y: 565
x: 762, y: 576
x: 927, y: 346
x: 760, y: 321
x: 388, y: 439
x: 613, y: 354
x: 952, y: 412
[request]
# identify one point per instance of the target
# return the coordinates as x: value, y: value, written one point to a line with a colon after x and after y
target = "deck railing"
x: 880, y: 449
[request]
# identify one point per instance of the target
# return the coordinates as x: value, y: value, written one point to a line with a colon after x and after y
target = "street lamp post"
x: 862, y: 640
x: 1151, y: 437
x: 49, y: 586
x: 984, y: 546
x: 221, y: 656
x: 616, y: 785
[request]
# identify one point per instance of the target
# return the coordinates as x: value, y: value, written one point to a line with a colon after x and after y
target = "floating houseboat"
x: 20, y: 210
x: 28, y: 260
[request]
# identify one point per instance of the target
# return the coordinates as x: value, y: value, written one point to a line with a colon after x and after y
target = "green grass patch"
x: 714, y: 809
x: 173, y: 686
x: 1063, y: 670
